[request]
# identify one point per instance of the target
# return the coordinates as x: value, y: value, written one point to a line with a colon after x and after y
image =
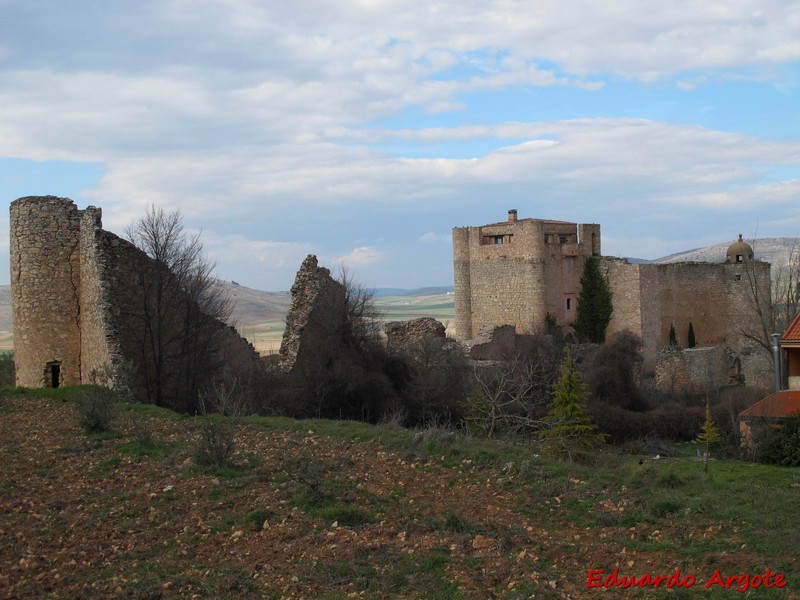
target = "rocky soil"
x: 308, y: 515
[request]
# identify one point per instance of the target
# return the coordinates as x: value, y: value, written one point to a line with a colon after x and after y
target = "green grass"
x: 737, y: 506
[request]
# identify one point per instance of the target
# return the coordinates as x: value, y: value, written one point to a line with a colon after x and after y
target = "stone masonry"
x: 402, y: 333
x: 519, y: 271
x: 72, y: 287
x: 318, y: 309
x: 697, y: 370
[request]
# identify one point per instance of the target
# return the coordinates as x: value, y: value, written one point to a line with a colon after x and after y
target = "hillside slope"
x: 324, y: 509
x: 776, y: 251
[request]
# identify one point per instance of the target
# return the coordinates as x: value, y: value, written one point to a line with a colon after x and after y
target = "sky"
x: 363, y: 131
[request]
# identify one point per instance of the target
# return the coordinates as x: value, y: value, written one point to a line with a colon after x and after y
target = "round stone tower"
x: 45, y: 284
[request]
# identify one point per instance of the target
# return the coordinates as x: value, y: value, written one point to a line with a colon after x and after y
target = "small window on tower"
x: 562, y: 239
x: 569, y: 303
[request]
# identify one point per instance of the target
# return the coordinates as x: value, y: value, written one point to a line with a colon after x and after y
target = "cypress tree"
x: 673, y: 338
x: 594, y: 304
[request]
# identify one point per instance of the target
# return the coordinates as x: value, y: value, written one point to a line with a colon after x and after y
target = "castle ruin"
x: 522, y: 272
x: 73, y: 289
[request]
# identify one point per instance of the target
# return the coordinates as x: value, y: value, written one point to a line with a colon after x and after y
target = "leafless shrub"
x: 95, y: 408
x: 215, y: 446
x: 225, y: 397
x: 394, y: 418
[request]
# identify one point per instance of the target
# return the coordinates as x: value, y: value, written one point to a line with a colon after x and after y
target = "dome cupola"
x: 739, y: 251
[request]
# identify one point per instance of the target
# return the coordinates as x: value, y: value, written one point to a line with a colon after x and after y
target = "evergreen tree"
x: 692, y: 342
x: 594, y: 304
x: 709, y: 434
x: 569, y: 428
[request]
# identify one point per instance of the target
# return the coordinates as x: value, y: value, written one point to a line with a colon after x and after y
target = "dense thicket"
x: 613, y: 371
x: 780, y: 445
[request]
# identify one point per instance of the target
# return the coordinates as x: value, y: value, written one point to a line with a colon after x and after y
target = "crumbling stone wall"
x: 697, y: 370
x: 493, y: 343
x: 716, y: 299
x: 402, y: 333
x: 73, y: 290
x: 99, y: 345
x: 317, y: 314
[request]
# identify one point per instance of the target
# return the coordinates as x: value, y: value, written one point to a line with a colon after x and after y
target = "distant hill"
x: 424, y: 291
x: 259, y: 316
x: 776, y: 251
x: 254, y: 305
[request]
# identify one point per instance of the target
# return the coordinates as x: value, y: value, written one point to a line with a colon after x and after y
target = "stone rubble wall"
x: 493, y: 343
x: 317, y: 313
x: 74, y: 292
x: 697, y: 370
x: 402, y: 333
x: 99, y: 346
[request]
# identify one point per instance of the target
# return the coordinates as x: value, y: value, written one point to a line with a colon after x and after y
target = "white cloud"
x: 291, y: 122
x: 363, y: 256
x: 433, y: 238
x: 263, y: 264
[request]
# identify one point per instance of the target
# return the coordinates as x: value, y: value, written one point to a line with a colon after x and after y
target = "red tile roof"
x: 777, y: 405
x: 792, y: 334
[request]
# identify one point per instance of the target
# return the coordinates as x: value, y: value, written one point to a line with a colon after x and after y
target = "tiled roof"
x: 779, y: 404
x: 792, y: 333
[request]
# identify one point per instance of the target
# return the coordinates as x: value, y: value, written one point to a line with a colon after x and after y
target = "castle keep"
x: 74, y: 288
x: 519, y: 271
x: 522, y: 271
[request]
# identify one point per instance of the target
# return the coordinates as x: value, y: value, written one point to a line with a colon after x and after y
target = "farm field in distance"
x: 260, y: 316
x: 266, y: 334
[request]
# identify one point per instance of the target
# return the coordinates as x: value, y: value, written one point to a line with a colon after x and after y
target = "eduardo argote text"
x: 599, y: 578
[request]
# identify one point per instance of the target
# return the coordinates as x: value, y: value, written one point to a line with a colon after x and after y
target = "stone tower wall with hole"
x: 73, y: 286
x: 45, y: 290
x: 517, y: 272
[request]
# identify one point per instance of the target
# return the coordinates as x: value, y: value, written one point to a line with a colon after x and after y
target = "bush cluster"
x: 95, y: 408
x: 7, y: 372
x: 780, y: 445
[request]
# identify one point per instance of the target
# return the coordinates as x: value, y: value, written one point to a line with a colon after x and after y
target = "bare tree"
x: 363, y: 322
x: 181, y: 310
x: 772, y: 304
x: 786, y: 289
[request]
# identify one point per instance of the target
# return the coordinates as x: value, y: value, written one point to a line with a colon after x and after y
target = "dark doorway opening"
x: 53, y: 374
